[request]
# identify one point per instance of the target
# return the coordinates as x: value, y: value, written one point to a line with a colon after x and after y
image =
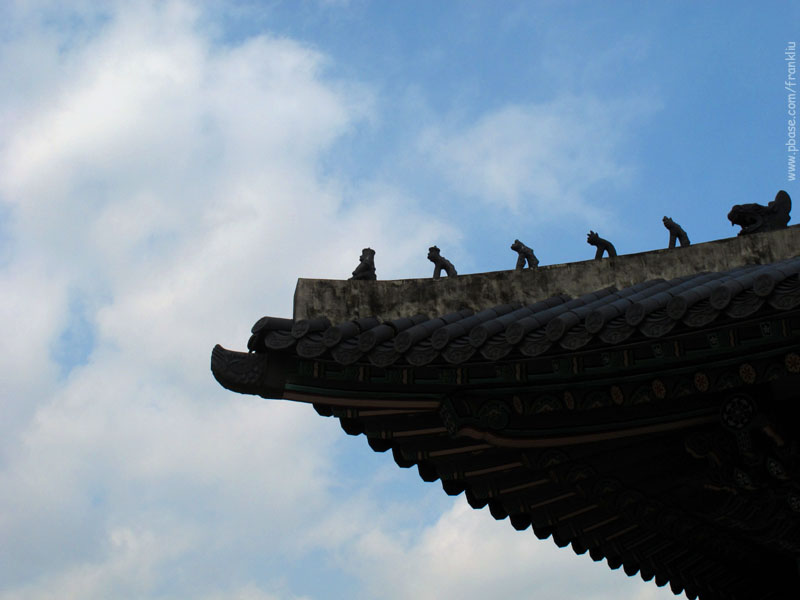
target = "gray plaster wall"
x: 342, y: 300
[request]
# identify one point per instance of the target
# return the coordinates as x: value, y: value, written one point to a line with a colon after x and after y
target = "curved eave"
x: 653, y: 427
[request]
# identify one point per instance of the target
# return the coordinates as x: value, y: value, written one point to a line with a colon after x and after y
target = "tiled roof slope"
x: 606, y: 316
x: 654, y: 427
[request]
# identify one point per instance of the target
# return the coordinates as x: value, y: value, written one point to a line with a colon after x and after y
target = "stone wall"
x: 343, y: 300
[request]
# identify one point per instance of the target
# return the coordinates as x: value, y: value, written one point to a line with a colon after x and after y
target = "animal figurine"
x: 525, y: 254
x: 754, y: 218
x: 602, y: 245
x: 365, y: 271
x: 440, y: 263
x: 676, y: 232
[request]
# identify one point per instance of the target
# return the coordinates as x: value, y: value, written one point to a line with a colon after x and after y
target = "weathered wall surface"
x: 343, y: 300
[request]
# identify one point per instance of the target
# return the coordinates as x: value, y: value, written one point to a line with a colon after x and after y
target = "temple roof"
x: 653, y: 425
x: 650, y: 309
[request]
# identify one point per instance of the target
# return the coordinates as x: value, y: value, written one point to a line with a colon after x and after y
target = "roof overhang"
x: 652, y: 424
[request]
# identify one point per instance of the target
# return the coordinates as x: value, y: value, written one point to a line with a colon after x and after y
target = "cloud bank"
x: 161, y: 190
x: 547, y: 159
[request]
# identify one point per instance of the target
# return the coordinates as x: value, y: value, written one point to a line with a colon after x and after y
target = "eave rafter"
x: 654, y: 428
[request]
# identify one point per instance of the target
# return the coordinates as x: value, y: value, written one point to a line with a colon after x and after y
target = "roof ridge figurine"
x: 440, y: 263
x: 602, y: 245
x: 755, y: 218
x: 676, y: 232
x: 365, y: 271
x: 525, y: 254
x: 752, y: 218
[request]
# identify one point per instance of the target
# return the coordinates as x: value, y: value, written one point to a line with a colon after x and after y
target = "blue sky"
x: 169, y: 169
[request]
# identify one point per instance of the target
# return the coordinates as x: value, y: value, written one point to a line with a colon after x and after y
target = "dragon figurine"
x: 755, y: 218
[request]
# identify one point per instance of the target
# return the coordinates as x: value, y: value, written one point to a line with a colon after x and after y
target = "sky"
x: 169, y: 169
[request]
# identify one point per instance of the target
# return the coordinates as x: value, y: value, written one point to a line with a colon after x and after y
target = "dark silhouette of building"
x: 644, y: 408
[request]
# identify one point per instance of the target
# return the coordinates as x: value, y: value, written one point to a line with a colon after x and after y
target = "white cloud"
x: 31, y: 309
x: 469, y: 555
x: 173, y: 185
x: 542, y: 160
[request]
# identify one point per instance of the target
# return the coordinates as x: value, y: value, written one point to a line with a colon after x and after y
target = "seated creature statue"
x: 365, y: 271
x: 525, y: 254
x: 602, y: 245
x: 440, y: 263
x: 676, y: 232
x: 755, y: 218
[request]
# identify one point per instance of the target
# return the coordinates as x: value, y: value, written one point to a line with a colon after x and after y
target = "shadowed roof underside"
x: 653, y: 426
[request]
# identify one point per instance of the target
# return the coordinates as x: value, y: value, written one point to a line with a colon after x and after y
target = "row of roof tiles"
x: 652, y: 308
